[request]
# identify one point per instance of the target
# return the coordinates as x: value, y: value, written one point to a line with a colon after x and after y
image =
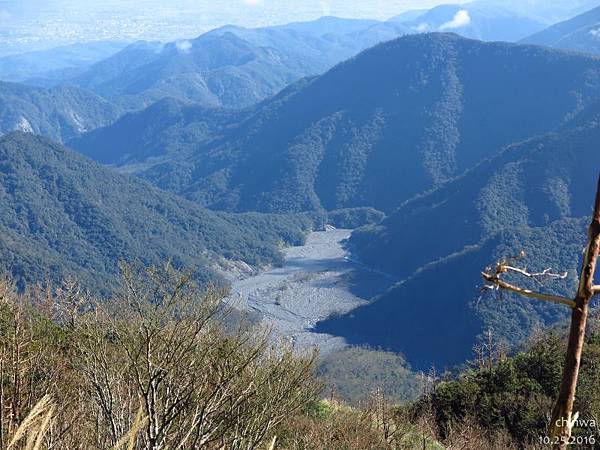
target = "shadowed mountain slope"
x: 535, y: 196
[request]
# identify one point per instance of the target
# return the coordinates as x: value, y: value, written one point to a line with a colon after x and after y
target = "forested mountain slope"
x: 399, y: 119
x: 64, y: 215
x: 535, y: 196
x: 167, y: 129
x: 60, y: 113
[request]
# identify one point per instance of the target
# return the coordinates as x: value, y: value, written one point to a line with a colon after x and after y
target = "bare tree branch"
x: 500, y: 284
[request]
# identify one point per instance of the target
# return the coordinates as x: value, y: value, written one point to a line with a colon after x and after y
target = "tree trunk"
x: 561, y: 425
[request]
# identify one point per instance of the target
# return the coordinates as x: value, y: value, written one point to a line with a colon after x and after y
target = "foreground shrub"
x: 155, y: 349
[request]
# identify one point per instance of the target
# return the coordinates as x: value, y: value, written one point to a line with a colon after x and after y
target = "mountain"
x: 477, y: 20
x: 548, y: 11
x: 399, y: 119
x: 236, y: 67
x: 326, y: 25
x: 535, y: 196
x: 64, y: 215
x: 60, y: 113
x: 56, y: 64
x: 581, y: 33
x: 409, y: 15
x: 168, y: 127
x: 231, y: 66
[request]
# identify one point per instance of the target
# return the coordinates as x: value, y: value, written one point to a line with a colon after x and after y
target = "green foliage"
x: 355, y: 373
x: 516, y: 394
x: 354, y: 217
x: 65, y: 216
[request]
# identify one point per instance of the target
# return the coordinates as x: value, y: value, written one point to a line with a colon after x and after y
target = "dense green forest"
x: 66, y: 216
x: 510, y: 396
x: 352, y: 374
x: 169, y: 127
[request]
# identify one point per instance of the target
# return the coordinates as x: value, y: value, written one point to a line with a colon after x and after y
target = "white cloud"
x: 421, y: 28
x: 461, y: 19
x: 252, y: 2
x: 183, y: 46
x: 595, y: 33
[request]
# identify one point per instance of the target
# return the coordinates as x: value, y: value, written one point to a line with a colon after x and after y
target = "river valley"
x: 317, y: 280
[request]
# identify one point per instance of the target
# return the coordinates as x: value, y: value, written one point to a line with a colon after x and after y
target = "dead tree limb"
x: 562, y: 416
x: 561, y: 424
x: 498, y: 283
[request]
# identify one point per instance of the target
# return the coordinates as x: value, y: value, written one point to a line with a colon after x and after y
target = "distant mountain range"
x: 399, y: 119
x: 231, y: 66
x: 60, y: 113
x: 581, y: 33
x: 47, y: 67
x: 237, y: 67
x: 547, y: 11
x: 477, y: 20
x: 63, y: 215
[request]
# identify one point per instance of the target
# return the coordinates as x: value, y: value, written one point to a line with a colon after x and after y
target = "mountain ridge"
x: 580, y: 33
x: 230, y: 66
x: 394, y: 121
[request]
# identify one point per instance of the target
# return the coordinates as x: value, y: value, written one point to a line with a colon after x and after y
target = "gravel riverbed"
x: 313, y: 284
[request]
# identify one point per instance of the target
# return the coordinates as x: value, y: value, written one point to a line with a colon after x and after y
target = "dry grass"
x: 34, y: 426
x: 131, y: 437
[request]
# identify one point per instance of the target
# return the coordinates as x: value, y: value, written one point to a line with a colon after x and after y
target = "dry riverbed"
x: 317, y: 280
